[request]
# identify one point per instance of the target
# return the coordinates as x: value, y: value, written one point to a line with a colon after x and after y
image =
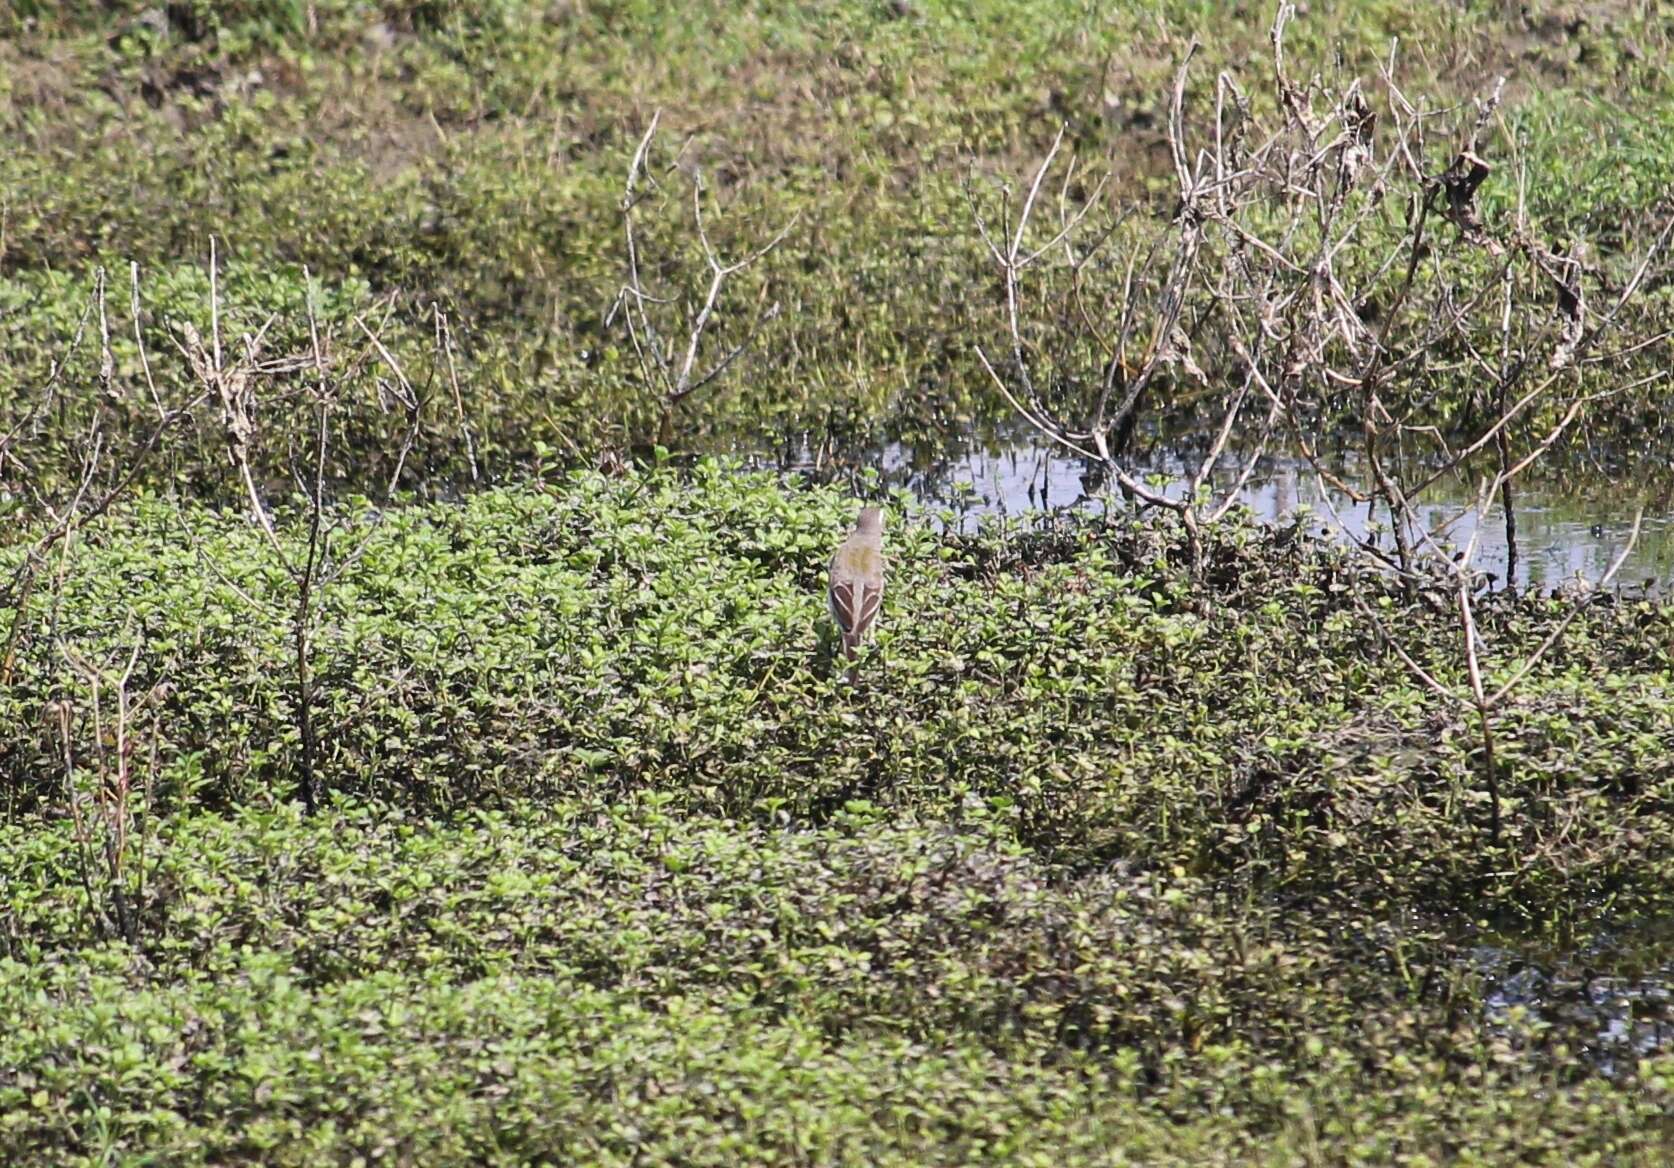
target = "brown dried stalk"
x: 670, y: 367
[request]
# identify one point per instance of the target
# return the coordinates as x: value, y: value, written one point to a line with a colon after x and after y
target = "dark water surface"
x: 1562, y: 532
x: 1624, y: 1002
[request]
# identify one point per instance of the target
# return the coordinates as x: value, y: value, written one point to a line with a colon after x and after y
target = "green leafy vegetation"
x: 1143, y: 850
x: 473, y: 157
x: 566, y: 982
x: 658, y: 633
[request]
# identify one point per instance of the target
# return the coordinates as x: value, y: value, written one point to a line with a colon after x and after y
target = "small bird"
x: 857, y: 580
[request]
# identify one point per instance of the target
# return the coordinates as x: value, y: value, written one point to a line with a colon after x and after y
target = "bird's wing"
x: 844, y: 609
x: 854, y: 605
x: 870, y: 599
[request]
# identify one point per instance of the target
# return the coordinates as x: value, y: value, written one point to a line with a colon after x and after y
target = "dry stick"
x: 1230, y: 496
x: 139, y: 337
x: 1046, y: 427
x: 1487, y: 704
x: 1483, y: 703
x: 215, y: 302
x: 1450, y: 323
x: 1576, y: 354
x: 1492, y: 434
x: 1398, y: 497
x: 1552, y: 639
x: 1288, y: 409
x: 84, y: 845
x: 1367, y: 379
x: 320, y: 569
x: 113, y: 787
x: 719, y: 272
x: 107, y: 359
x: 445, y: 337
x: 1077, y: 265
x: 1166, y: 343
x: 1429, y: 537
x: 410, y: 401
x: 632, y: 298
x: 656, y: 360
x: 1503, y: 382
x: 1473, y: 668
x: 231, y: 385
x: 1396, y: 501
x: 302, y: 622
x: 1380, y: 427
x: 1484, y: 713
x: 22, y: 582
x: 316, y: 567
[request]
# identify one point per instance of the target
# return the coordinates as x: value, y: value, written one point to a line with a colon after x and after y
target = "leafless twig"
x: 671, y: 368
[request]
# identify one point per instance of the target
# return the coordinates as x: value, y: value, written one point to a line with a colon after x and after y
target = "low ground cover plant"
x: 1183, y: 846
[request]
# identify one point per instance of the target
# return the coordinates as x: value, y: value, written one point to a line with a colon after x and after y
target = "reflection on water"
x: 1623, y: 1016
x: 1560, y: 534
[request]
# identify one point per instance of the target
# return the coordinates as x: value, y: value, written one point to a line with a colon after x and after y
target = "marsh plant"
x: 668, y: 328
x: 109, y: 737
x: 1324, y: 260
x: 1324, y: 264
x: 239, y: 382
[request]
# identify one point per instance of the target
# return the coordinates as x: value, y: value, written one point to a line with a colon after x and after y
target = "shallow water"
x: 1562, y: 533
x: 1625, y: 1010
